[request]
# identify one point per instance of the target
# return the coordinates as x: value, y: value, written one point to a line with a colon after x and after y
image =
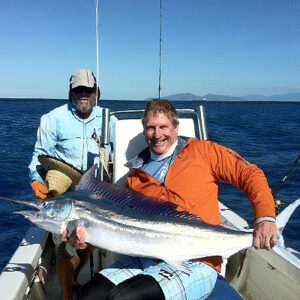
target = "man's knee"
x: 98, y: 287
x: 137, y: 288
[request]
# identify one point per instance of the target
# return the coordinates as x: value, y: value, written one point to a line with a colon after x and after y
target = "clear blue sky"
x: 232, y: 47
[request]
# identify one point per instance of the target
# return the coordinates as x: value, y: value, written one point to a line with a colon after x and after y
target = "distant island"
x: 213, y: 97
x: 288, y: 97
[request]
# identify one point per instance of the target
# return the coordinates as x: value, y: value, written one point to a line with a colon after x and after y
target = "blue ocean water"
x: 265, y: 133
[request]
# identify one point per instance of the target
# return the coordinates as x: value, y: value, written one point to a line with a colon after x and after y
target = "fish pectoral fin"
x: 182, y: 266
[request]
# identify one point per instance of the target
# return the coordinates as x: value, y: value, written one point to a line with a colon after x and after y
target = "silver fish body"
x: 136, y: 233
x: 130, y: 223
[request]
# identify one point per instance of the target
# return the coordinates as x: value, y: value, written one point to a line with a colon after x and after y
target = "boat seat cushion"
x: 224, y: 291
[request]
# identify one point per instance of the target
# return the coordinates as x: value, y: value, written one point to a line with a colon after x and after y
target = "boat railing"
x: 117, y: 112
x: 199, y: 113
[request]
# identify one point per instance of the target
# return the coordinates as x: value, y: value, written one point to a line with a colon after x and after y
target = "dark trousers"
x: 140, y: 287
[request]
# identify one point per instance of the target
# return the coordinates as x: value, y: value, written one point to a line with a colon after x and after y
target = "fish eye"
x: 44, y: 204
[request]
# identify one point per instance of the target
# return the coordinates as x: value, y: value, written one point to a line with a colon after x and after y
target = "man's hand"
x: 77, y: 238
x: 39, y: 190
x: 265, y: 235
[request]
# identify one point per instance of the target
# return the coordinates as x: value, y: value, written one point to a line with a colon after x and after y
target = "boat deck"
x: 52, y: 286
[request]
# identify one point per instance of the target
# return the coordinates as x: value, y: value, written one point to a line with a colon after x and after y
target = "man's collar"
x: 159, y: 157
x: 144, y: 155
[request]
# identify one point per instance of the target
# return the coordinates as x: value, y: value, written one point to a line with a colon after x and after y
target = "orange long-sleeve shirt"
x: 192, y: 181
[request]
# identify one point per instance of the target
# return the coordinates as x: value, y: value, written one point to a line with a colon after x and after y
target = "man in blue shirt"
x: 65, y: 133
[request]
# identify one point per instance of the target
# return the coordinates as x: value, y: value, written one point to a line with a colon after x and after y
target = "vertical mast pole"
x: 160, y: 37
x: 97, y: 48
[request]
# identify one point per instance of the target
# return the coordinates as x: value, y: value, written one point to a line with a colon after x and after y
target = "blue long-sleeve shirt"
x: 64, y: 135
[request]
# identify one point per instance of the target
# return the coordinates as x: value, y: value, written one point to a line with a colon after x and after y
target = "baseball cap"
x: 82, y: 77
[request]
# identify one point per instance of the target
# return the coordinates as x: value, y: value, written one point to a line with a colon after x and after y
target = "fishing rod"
x: 278, y: 202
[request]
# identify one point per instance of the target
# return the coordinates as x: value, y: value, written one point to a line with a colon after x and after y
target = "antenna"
x: 160, y: 35
x: 97, y: 49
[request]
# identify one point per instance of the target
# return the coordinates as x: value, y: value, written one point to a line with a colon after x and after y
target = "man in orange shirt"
x: 184, y: 171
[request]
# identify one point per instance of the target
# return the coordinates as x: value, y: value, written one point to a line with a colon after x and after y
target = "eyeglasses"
x: 83, y: 89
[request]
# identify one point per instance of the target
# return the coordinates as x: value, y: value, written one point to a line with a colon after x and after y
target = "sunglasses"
x: 83, y: 89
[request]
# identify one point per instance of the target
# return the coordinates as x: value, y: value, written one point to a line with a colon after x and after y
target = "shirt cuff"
x: 269, y: 219
x: 35, y: 176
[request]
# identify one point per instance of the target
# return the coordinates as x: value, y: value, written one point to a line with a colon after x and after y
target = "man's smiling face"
x: 160, y: 133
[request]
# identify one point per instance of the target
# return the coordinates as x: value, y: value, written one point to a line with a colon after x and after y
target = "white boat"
x: 248, y: 274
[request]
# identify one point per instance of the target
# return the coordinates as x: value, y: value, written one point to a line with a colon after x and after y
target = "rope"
x: 160, y: 38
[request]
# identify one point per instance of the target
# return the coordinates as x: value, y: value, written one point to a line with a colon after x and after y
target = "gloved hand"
x: 39, y: 190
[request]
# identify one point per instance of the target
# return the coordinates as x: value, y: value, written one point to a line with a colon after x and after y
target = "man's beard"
x: 87, y: 109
